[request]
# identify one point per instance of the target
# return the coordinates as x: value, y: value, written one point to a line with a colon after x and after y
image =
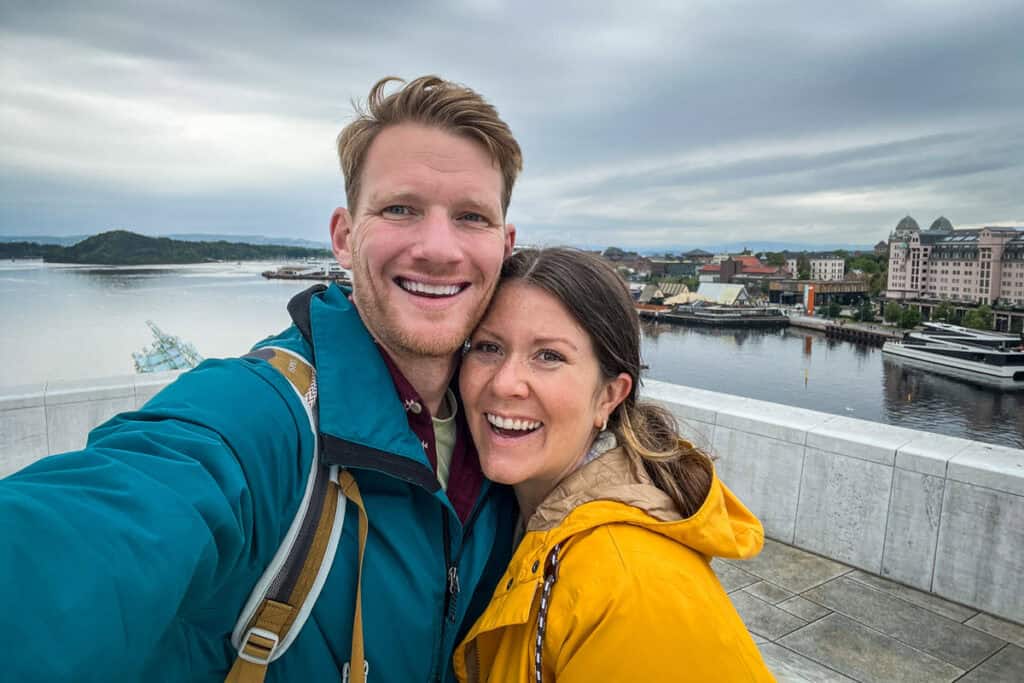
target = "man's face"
x: 426, y: 242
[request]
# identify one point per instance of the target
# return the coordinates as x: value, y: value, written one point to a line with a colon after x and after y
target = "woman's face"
x: 532, y: 389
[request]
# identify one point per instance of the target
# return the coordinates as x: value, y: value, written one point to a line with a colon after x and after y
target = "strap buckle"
x: 270, y: 646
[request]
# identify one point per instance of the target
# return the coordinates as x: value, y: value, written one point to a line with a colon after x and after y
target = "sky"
x: 671, y: 124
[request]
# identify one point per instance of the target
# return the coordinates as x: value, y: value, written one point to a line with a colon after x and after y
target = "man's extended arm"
x: 105, y: 553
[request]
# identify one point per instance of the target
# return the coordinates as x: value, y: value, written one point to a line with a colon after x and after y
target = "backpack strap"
x: 283, y: 598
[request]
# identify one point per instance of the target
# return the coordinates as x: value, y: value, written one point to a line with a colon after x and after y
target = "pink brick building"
x: 979, y: 266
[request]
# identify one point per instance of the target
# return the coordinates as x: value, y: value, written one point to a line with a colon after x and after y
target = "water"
x: 804, y: 368
x: 78, y: 322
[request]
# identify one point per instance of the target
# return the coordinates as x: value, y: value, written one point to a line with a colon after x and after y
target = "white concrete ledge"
x: 941, y: 514
x: 39, y: 419
x: 938, y: 513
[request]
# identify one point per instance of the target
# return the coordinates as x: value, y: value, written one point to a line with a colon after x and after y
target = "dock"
x: 858, y: 333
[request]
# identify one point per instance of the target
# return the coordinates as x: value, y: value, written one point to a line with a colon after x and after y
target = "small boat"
x: 166, y: 353
x: 726, y: 316
x: 332, y: 272
x: 991, y: 359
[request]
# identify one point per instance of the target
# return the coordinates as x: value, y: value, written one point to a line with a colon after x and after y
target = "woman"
x: 611, y: 580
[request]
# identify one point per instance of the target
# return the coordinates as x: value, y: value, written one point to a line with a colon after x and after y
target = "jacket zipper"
x: 451, y: 594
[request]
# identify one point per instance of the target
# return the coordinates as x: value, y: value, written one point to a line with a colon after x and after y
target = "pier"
x: 859, y: 333
x: 893, y: 554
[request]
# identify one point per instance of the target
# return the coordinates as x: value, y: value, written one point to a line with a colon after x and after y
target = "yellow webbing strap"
x: 296, y: 369
x: 357, y: 673
x: 273, y: 619
x: 251, y: 664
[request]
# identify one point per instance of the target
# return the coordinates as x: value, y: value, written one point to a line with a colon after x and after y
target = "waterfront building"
x: 976, y: 266
x: 661, y: 267
x: 729, y: 268
x: 673, y: 288
x: 825, y: 267
x: 968, y: 267
x: 722, y: 294
x: 651, y: 294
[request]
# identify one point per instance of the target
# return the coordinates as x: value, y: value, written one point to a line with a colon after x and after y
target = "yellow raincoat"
x: 634, y: 599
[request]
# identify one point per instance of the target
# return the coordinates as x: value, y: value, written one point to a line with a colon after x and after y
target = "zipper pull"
x: 453, y: 591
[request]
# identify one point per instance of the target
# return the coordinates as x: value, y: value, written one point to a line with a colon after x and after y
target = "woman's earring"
x: 604, y: 425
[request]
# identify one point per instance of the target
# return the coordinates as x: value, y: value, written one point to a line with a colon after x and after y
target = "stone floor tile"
x: 804, y: 608
x: 1004, y: 630
x: 789, y: 667
x: 791, y: 568
x: 731, y: 577
x: 1006, y: 666
x: 768, y: 592
x: 922, y: 629
x: 866, y: 655
x: 764, y: 619
x: 929, y: 601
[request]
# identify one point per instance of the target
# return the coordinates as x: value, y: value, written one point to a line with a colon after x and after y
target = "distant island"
x: 124, y: 248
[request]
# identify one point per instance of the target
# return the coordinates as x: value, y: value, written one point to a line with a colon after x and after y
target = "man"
x: 133, y: 558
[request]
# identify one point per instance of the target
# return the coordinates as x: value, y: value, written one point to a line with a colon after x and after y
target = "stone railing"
x: 937, y: 513
x: 941, y: 514
x: 39, y: 419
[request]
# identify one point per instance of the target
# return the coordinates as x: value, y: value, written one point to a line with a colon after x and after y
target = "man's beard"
x: 398, y: 338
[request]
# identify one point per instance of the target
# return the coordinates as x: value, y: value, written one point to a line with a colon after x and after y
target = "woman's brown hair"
x: 600, y: 302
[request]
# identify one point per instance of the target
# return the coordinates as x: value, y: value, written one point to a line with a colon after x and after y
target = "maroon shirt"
x: 465, y: 477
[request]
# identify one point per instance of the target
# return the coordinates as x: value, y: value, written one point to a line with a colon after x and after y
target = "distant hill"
x: 68, y: 240
x: 123, y: 248
x: 250, y: 239
x: 62, y: 240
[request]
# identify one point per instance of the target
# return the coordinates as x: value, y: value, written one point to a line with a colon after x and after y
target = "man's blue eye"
x: 474, y: 218
x: 398, y: 210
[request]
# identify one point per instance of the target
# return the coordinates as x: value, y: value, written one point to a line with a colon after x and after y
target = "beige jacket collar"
x: 612, y: 476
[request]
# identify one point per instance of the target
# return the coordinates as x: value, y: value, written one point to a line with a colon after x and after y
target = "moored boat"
x: 720, y: 316
x: 991, y: 359
x: 332, y: 272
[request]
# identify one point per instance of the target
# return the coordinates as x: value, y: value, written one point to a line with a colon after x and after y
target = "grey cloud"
x: 920, y: 102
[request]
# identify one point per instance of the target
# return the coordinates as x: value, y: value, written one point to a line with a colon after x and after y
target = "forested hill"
x: 124, y: 248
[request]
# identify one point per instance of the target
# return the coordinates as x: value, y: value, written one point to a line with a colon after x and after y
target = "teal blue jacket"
x: 131, y: 559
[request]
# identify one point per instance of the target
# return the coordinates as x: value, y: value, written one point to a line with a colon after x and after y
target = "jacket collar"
x: 612, y: 476
x: 359, y: 403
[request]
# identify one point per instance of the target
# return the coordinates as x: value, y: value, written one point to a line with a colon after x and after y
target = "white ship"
x: 989, y: 358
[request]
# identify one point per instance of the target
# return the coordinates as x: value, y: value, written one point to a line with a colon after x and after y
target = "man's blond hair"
x: 437, y: 103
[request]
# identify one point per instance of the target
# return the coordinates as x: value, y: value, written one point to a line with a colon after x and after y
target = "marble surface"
x: 844, y: 505
x: 912, y: 531
x: 764, y: 473
x: 849, y: 625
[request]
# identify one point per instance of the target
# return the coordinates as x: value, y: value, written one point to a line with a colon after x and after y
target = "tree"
x: 833, y: 310
x: 911, y: 317
x: 979, y: 319
x: 876, y: 283
x: 803, y: 267
x: 893, y: 312
x: 943, y: 312
x: 775, y: 258
x: 866, y: 311
x: 866, y: 264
